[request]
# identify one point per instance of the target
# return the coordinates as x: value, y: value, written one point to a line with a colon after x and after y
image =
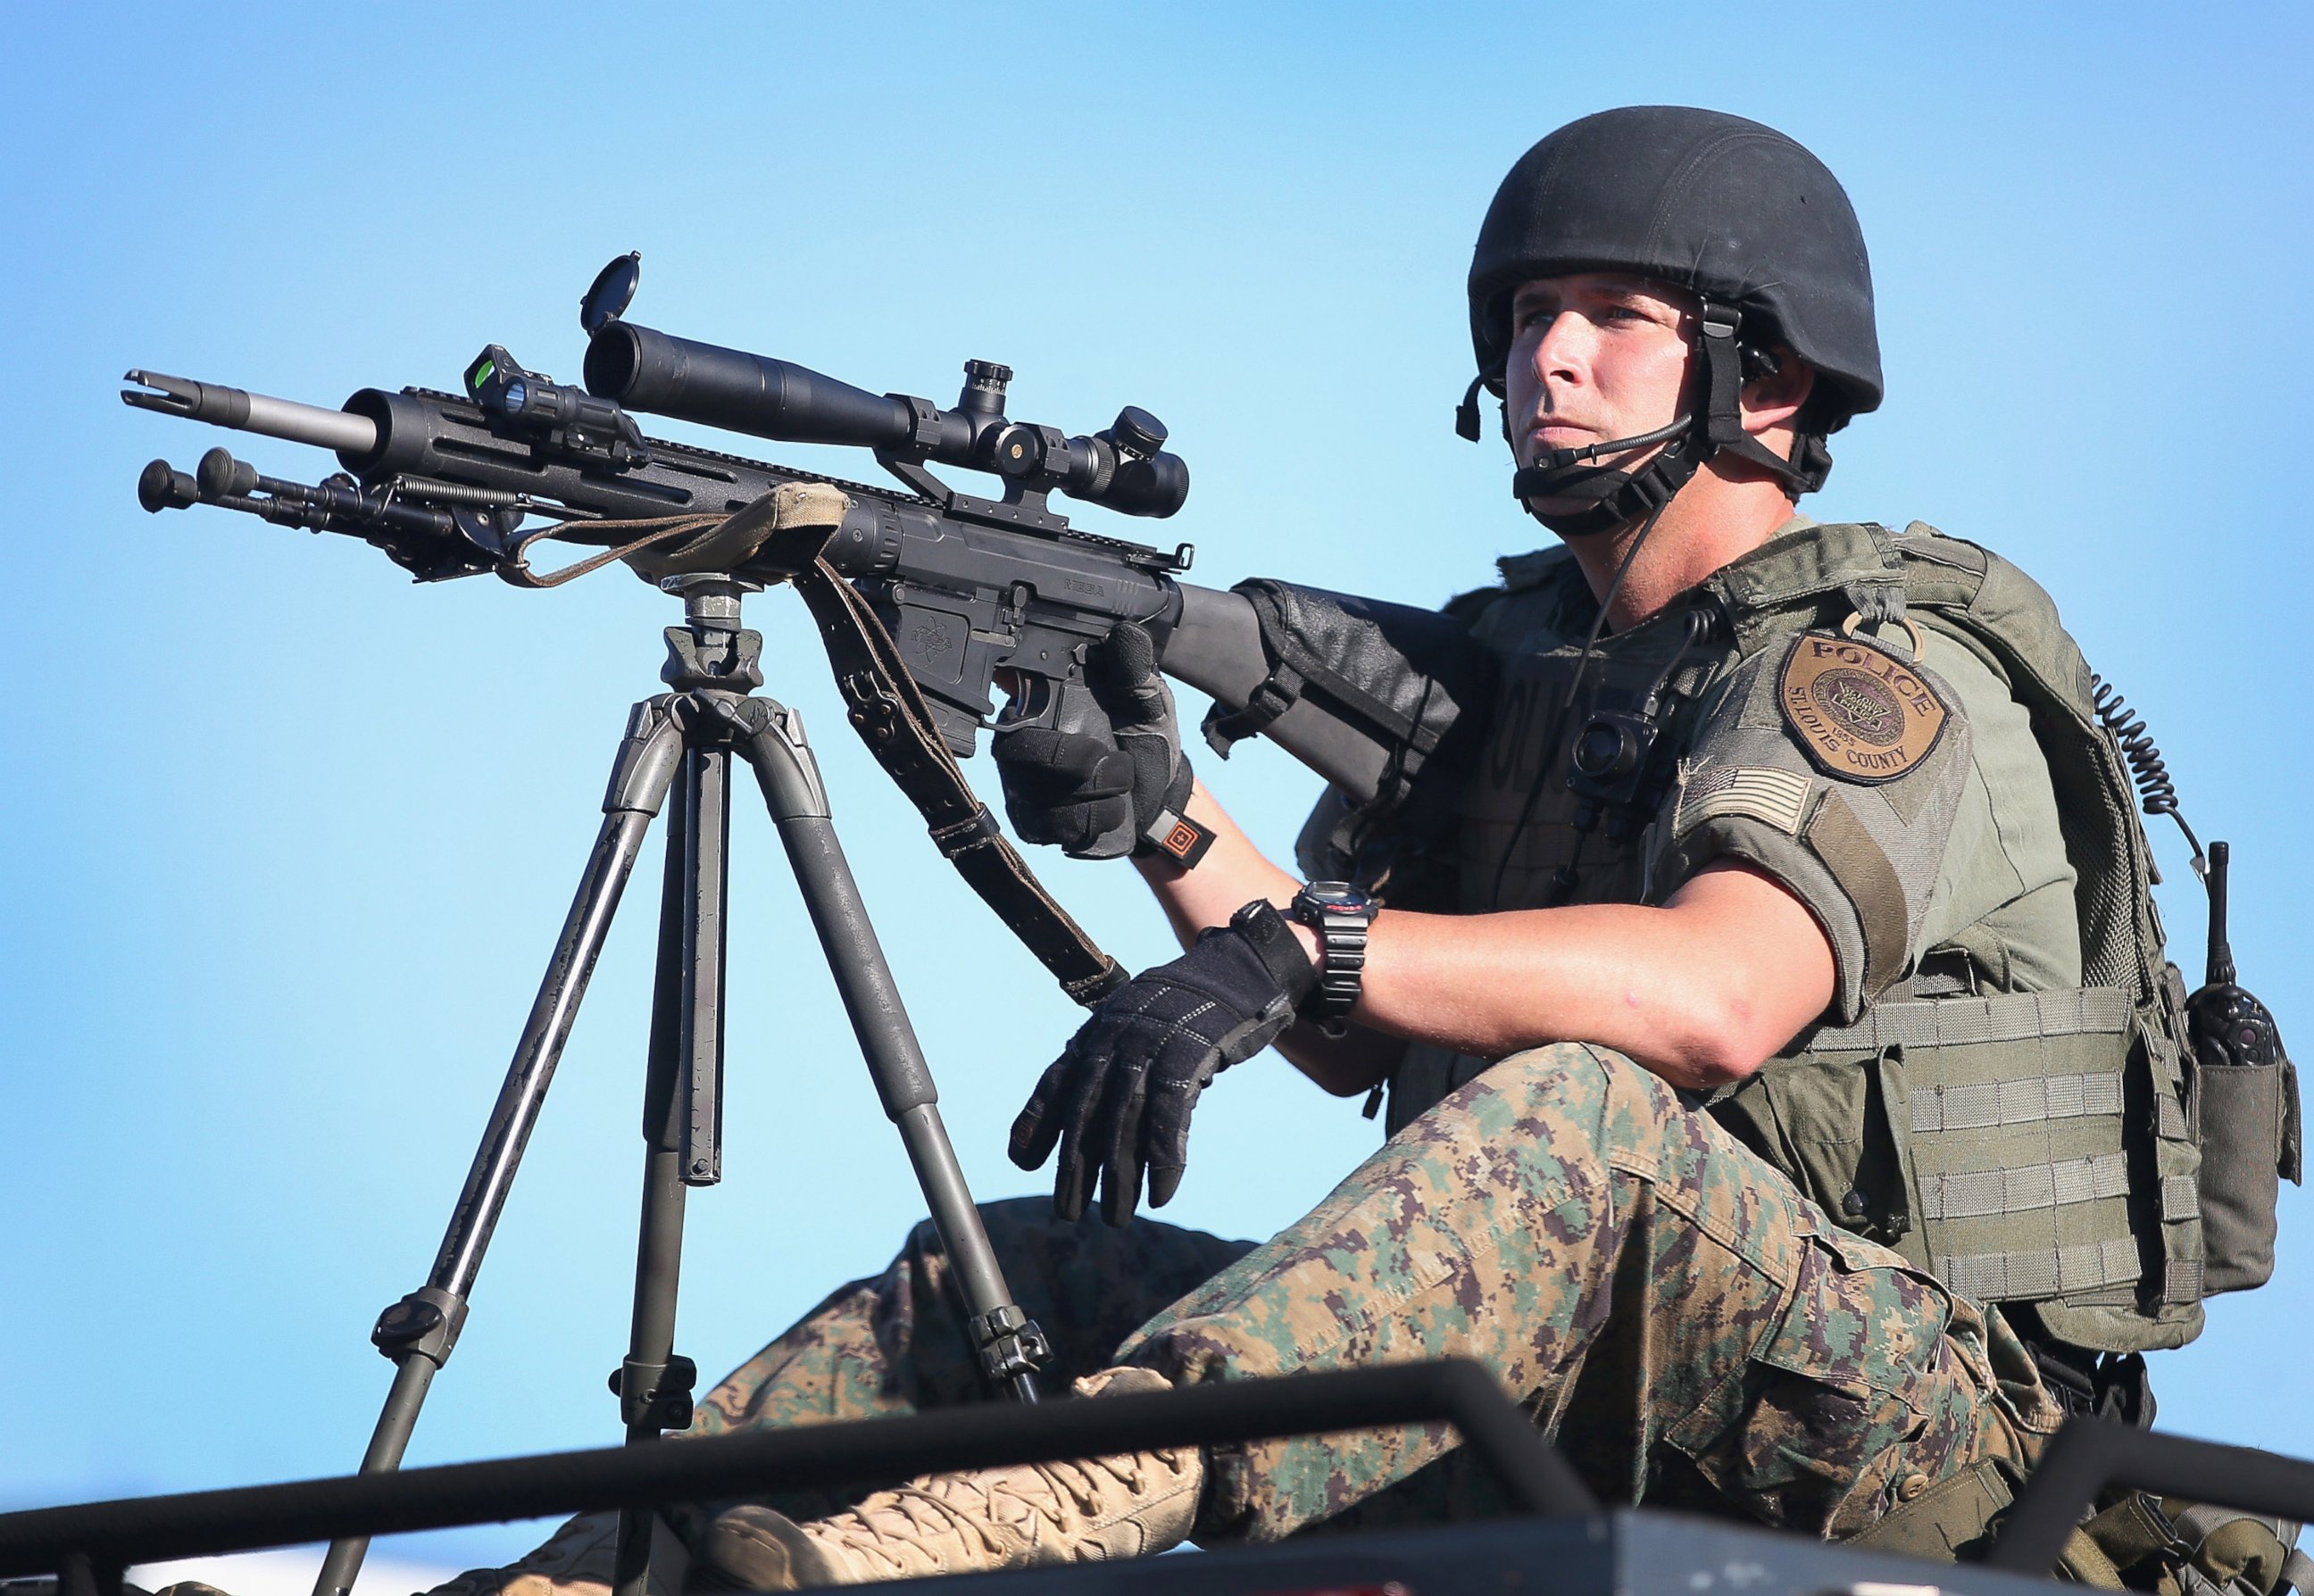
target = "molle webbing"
x: 2016, y: 1102
x: 2002, y: 610
x: 1953, y: 1022
x: 2029, y: 1276
x: 2011, y: 1110
x: 2120, y: 942
x: 1982, y: 1136
x: 2028, y: 1147
x: 2022, y: 1178
x: 1981, y: 1194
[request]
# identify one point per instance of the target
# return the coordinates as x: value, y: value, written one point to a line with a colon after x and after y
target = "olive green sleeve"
x: 1864, y: 857
x: 2006, y: 900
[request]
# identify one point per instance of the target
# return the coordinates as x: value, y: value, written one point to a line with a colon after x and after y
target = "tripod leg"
x: 706, y: 893
x: 419, y: 1332
x: 682, y: 1120
x: 1010, y: 1345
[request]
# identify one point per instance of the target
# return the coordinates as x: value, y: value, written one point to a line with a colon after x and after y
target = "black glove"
x: 1118, y: 1100
x: 1102, y: 796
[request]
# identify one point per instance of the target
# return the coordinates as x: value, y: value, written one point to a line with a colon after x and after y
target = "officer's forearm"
x: 1702, y: 990
x: 1232, y: 874
x: 1355, y: 1062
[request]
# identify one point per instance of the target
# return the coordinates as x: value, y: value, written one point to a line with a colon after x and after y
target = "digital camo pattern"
x: 1686, y: 1324
x: 895, y: 1344
x: 1690, y: 1330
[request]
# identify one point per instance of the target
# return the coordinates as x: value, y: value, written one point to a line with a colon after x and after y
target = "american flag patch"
x: 1754, y: 792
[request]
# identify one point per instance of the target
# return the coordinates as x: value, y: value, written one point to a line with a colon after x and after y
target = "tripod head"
x: 710, y: 649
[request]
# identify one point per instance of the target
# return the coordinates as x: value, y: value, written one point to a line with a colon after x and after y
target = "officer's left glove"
x: 1118, y: 1100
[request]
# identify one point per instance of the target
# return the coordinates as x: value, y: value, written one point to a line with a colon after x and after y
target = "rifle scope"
x: 1124, y: 468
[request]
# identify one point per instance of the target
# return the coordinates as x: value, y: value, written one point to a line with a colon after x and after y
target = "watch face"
x: 1338, y: 895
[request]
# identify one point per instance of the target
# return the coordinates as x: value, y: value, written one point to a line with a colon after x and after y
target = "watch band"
x: 1339, y: 913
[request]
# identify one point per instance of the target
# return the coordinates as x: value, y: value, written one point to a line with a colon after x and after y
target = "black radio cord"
x: 1546, y: 751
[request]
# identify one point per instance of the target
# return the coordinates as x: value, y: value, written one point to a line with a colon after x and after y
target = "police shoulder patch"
x: 1862, y: 714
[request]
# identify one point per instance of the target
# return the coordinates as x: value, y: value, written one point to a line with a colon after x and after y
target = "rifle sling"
x: 514, y: 567
x: 891, y: 717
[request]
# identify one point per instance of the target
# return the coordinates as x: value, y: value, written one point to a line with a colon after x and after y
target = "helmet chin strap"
x: 1607, y: 497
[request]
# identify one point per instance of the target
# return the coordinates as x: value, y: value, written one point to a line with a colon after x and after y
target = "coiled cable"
x: 2155, y: 790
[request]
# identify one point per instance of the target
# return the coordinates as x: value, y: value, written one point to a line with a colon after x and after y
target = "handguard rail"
x: 88, y: 1545
x: 2090, y: 1454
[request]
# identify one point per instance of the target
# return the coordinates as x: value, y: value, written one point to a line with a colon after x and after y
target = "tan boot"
x: 989, y: 1519
x: 578, y: 1560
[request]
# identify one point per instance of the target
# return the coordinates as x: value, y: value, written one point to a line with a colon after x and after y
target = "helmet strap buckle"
x: 1722, y: 422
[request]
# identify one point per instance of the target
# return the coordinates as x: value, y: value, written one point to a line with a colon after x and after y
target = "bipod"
x: 712, y: 713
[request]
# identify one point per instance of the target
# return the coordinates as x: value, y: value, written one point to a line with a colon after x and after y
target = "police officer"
x: 1777, y: 1088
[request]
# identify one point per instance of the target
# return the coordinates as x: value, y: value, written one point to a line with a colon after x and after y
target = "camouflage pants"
x: 1689, y: 1330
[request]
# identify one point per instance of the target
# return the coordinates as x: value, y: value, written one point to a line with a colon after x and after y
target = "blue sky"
x: 287, y: 837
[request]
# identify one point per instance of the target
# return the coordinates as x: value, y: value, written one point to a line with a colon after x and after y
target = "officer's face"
x: 1594, y: 355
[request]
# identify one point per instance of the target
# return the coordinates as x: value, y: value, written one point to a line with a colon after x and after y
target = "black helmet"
x: 1731, y: 211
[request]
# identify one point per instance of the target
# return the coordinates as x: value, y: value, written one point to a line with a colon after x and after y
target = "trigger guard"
x: 1036, y: 704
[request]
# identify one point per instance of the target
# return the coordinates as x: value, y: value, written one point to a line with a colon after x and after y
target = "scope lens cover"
x: 613, y: 290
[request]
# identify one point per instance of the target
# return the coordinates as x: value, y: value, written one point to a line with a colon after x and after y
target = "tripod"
x: 713, y: 667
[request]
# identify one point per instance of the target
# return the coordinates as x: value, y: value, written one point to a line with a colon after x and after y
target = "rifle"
x: 940, y: 590
x: 444, y: 484
x: 927, y: 598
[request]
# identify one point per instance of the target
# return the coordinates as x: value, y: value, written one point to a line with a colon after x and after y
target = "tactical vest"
x: 2026, y: 1147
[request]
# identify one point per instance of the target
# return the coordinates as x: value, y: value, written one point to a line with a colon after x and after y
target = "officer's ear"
x: 1776, y: 383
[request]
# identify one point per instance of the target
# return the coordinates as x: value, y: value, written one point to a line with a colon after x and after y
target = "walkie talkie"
x: 2229, y: 1028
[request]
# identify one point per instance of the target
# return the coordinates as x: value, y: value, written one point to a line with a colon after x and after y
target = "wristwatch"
x: 1339, y: 913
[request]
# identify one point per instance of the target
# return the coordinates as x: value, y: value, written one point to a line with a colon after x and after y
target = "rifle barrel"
x: 237, y: 408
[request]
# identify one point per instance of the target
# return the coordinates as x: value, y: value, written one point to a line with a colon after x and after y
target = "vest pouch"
x: 1955, y: 1521
x: 2163, y: 1308
x: 1982, y: 1136
x: 1824, y: 1118
x: 2244, y: 1097
x: 2244, y: 1111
